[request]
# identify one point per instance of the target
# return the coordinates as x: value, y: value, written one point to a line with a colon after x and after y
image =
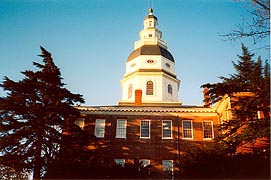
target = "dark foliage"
x: 249, y: 92
x: 253, y: 80
x: 212, y: 162
x: 11, y: 173
x: 34, y: 116
x: 85, y: 165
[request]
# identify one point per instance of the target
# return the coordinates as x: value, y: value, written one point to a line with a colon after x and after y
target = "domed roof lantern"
x: 150, y: 15
x: 150, y: 61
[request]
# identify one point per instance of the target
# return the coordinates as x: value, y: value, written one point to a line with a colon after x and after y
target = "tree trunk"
x: 37, y: 162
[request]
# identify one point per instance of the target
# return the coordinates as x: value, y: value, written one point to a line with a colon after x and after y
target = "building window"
x: 167, y: 168
x: 120, y: 162
x: 149, y: 88
x: 187, y: 129
x: 169, y: 89
x: 80, y: 123
x: 168, y: 65
x: 132, y: 65
x: 99, y: 128
x: 121, y: 128
x: 259, y: 114
x: 208, y: 132
x: 130, y: 91
x: 150, y: 35
x: 167, y: 129
x: 145, y: 129
x: 144, y: 162
x: 150, y: 61
x: 227, y: 114
x: 150, y: 23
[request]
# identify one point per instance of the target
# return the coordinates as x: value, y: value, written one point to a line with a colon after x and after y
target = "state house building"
x: 150, y: 123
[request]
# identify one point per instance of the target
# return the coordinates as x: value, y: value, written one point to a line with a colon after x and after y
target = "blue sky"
x: 90, y: 41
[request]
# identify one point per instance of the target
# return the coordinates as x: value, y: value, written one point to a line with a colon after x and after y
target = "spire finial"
x: 151, y: 4
x: 150, y: 9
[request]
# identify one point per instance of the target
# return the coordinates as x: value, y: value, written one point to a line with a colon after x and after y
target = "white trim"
x: 140, y: 109
x: 170, y: 130
x: 149, y: 129
x: 148, y: 162
x: 192, y: 131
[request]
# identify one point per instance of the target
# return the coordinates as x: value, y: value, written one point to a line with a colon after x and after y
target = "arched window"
x: 149, y: 88
x: 169, y: 89
x: 130, y: 91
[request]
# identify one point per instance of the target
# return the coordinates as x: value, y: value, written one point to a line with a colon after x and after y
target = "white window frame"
x: 191, y: 129
x: 119, y: 129
x: 163, y: 129
x: 149, y: 129
x: 171, y: 168
x: 212, y: 125
x: 258, y: 114
x: 99, y: 126
x: 145, y: 162
x: 169, y: 89
x: 120, y: 162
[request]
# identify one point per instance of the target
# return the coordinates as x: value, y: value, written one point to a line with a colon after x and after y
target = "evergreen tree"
x: 11, y: 174
x: 34, y: 115
x: 213, y: 162
x: 246, y: 126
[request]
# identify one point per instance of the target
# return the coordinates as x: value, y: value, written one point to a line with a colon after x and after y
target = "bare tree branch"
x: 257, y: 28
x: 262, y: 4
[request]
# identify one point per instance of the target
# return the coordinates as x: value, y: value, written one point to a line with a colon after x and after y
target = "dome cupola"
x: 150, y: 69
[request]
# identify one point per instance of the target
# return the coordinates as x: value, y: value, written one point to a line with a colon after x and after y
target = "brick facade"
x: 154, y: 148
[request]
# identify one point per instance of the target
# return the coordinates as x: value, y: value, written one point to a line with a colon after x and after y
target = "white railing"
x: 150, y: 41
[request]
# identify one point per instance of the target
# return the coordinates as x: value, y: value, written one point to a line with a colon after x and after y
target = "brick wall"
x: 154, y: 148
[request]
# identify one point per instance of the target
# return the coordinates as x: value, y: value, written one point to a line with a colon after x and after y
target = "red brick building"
x: 149, y: 123
x: 154, y: 135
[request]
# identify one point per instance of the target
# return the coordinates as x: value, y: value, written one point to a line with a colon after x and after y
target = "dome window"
x: 169, y: 89
x: 132, y: 65
x: 150, y: 61
x: 130, y: 91
x: 149, y: 88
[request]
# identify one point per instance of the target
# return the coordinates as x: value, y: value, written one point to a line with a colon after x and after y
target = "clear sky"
x: 90, y: 41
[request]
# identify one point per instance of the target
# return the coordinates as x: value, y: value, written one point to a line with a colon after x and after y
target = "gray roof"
x: 151, y: 50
